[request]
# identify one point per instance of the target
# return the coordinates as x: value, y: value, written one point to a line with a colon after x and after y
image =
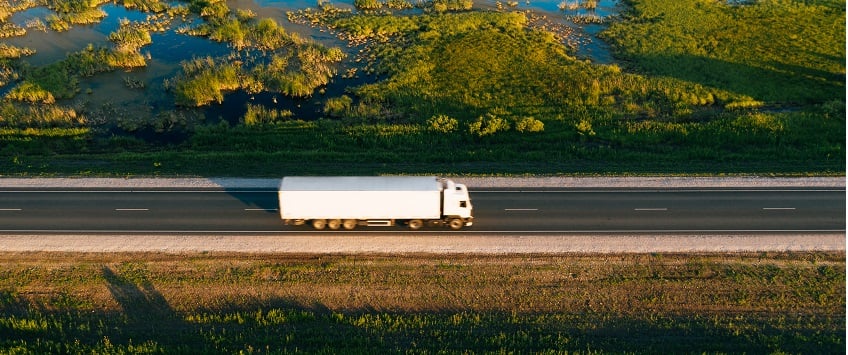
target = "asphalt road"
x: 551, y: 210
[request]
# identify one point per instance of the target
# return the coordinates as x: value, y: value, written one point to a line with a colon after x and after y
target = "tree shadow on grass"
x: 145, y: 311
x: 245, y: 322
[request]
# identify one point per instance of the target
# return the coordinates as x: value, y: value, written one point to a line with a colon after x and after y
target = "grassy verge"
x: 735, y: 303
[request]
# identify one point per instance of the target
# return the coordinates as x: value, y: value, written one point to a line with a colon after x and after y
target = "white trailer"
x: 348, y: 201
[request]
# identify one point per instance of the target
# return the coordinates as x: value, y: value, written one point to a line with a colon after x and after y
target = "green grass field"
x: 201, y: 303
x: 756, y: 88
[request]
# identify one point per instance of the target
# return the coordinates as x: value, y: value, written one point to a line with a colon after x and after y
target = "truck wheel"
x: 319, y: 224
x: 456, y: 224
x: 415, y: 224
x: 349, y: 224
x: 334, y: 224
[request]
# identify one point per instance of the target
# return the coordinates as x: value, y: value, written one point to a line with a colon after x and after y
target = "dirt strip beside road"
x: 436, y: 244
x: 472, y: 182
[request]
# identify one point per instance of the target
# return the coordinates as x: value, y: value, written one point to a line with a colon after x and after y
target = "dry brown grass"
x: 767, y: 300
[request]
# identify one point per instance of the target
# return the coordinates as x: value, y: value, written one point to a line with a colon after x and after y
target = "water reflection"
x: 51, y: 46
x: 169, y: 48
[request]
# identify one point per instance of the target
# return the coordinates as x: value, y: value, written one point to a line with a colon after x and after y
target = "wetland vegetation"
x: 584, y: 304
x: 698, y: 87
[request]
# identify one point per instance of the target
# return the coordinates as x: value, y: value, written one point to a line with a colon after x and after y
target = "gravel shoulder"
x: 471, y: 182
x: 430, y: 243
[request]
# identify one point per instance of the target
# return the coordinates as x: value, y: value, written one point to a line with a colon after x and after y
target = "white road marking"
x: 11, y: 209
x: 650, y: 209
x: 132, y: 209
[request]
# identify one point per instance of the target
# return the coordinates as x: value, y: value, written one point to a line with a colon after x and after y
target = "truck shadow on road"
x: 259, y: 194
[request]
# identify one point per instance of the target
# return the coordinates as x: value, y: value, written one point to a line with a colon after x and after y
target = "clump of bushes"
x: 258, y: 115
x: 367, y: 4
x: 488, y: 124
x: 338, y: 106
x: 130, y: 37
x: 74, y: 12
x: 39, y: 116
x: 442, y: 124
x: 11, y: 30
x: 30, y: 92
x: 145, y: 5
x: 267, y: 58
x: 203, y: 80
x: 295, y: 73
x: 529, y: 124
x: 452, y: 5
x: 60, y: 80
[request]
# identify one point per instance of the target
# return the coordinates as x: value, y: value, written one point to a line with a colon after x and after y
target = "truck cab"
x: 457, y: 204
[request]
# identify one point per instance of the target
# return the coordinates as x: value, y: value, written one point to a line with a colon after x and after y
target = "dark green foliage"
x: 705, y: 87
x: 785, y: 51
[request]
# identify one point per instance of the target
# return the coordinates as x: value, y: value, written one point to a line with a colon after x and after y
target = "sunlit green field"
x: 195, y: 303
x: 700, y: 87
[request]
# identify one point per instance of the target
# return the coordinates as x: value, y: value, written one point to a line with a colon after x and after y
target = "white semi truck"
x: 348, y: 201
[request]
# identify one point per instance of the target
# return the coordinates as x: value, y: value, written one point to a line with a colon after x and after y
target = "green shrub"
x: 758, y: 122
x: 203, y: 81
x: 213, y: 10
x: 39, y: 116
x: 231, y: 31
x: 258, y: 115
x: 584, y: 128
x: 399, y: 4
x: 267, y: 34
x: 487, y: 125
x: 87, y: 62
x: 11, y: 30
x: 529, y: 124
x: 338, y: 106
x: 452, y: 5
x: 299, y: 74
x: 12, y: 52
x: 146, y: 5
x: 126, y: 59
x: 130, y: 37
x: 57, y: 23
x: 30, y: 92
x: 367, y: 4
x: 442, y: 124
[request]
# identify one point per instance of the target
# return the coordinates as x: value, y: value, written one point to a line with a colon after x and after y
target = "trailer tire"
x: 415, y: 224
x: 319, y: 224
x: 334, y: 224
x: 349, y: 224
x: 456, y: 224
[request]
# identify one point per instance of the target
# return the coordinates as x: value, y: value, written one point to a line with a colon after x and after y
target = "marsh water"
x: 169, y: 48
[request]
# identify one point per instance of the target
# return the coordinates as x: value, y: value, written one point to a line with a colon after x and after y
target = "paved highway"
x: 549, y: 210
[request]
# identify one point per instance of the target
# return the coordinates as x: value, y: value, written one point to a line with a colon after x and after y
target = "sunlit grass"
x: 473, y: 92
x: 756, y: 303
x: 779, y: 52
